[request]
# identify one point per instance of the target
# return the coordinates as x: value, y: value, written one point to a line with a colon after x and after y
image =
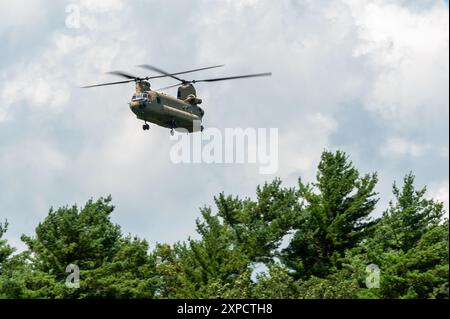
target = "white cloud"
x: 409, y: 53
x: 444, y: 152
x: 323, y: 55
x: 48, y: 80
x: 22, y: 14
x: 300, y: 149
x: 102, y: 6
x: 399, y: 147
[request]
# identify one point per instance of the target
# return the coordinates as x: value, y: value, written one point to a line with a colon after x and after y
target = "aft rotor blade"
x: 104, y: 84
x: 220, y: 79
x: 168, y: 87
x: 124, y: 74
x: 233, y: 77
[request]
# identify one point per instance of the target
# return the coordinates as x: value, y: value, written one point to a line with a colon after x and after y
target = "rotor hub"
x: 142, y: 86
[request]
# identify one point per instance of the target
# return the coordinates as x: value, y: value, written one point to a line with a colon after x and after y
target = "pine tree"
x: 410, y: 246
x: 5, y: 249
x: 242, y: 233
x: 412, y: 215
x: 198, y: 269
x: 335, y: 216
x: 111, y: 266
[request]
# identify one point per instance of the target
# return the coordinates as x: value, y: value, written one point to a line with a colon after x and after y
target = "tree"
x: 194, y: 269
x: 5, y: 249
x: 277, y: 283
x: 411, y: 216
x: 410, y: 246
x: 259, y: 226
x: 335, y: 216
x: 111, y: 266
x: 6, y: 286
x: 242, y: 233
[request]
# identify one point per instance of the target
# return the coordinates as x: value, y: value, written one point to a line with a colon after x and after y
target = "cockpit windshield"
x: 140, y: 97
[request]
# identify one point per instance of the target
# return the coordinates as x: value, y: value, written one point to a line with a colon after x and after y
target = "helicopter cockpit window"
x: 140, y: 97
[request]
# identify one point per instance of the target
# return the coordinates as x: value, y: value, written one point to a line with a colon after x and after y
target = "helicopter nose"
x: 137, y: 106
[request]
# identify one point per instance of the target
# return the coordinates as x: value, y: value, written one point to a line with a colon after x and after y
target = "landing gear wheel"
x: 201, y: 128
x: 172, y: 126
x: 145, y: 127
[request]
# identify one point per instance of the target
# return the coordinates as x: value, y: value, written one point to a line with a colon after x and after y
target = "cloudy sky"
x: 368, y: 77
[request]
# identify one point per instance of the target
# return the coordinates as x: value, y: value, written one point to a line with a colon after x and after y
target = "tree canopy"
x: 315, y: 240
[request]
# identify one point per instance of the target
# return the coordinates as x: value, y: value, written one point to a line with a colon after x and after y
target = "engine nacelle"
x: 193, y: 100
x: 185, y: 90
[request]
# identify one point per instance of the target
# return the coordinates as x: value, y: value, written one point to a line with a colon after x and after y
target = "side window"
x: 158, y: 100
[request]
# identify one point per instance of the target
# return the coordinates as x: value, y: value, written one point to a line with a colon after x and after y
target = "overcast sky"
x: 368, y: 77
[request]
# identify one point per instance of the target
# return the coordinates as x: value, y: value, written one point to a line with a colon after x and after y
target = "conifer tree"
x: 335, y: 216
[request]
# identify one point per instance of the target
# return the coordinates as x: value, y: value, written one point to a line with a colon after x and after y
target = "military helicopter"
x: 165, y: 110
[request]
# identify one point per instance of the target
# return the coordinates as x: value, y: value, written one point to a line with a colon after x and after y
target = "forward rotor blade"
x: 104, y: 84
x: 124, y: 74
x: 177, y: 73
x: 152, y: 68
x: 233, y: 77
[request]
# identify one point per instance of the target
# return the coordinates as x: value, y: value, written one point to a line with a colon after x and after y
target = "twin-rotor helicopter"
x: 164, y: 110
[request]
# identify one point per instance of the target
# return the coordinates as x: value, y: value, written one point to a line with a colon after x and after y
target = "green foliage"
x: 129, y: 274
x: 334, y: 218
x: 242, y: 233
x: 84, y: 237
x: 325, y: 288
x: 277, y: 283
x: 259, y: 226
x: 5, y: 263
x: 111, y: 266
x: 315, y: 241
x: 410, y: 246
x: 196, y: 268
x: 5, y: 249
x: 411, y: 216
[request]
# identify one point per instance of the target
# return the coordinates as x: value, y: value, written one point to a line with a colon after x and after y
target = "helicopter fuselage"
x: 165, y: 110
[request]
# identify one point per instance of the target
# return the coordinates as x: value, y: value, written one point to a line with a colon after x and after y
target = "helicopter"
x: 182, y: 111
